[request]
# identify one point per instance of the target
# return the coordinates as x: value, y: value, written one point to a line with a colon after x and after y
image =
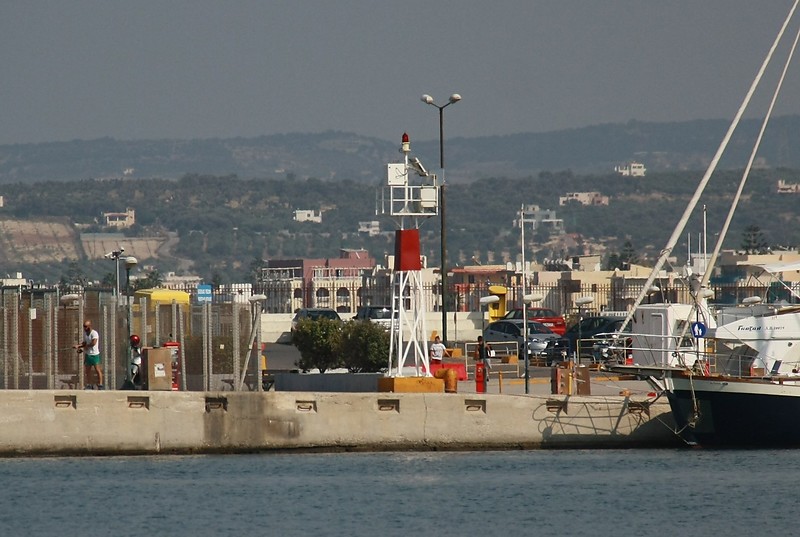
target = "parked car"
x: 315, y: 314
x: 541, y: 342
x: 546, y: 316
x: 381, y: 315
x: 592, y: 330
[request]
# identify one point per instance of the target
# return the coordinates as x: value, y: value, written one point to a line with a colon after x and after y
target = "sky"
x: 148, y: 69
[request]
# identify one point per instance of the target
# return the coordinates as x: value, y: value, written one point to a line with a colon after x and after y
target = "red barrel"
x: 480, y: 377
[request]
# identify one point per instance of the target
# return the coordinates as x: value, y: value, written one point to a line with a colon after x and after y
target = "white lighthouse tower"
x: 409, y: 197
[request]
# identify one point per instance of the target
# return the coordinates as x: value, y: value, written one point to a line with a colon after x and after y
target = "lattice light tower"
x: 408, y: 202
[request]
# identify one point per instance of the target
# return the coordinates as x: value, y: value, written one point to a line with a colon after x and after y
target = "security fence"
x: 619, y: 295
x: 211, y: 343
x: 216, y: 344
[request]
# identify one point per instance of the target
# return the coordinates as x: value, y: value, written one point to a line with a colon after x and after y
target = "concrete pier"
x: 71, y: 422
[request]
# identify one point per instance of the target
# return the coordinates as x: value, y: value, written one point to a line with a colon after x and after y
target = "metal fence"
x: 213, y: 342
x: 218, y: 340
x: 619, y: 295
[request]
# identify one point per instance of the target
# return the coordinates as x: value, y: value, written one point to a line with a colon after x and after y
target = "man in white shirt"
x: 438, y: 351
x: 90, y: 347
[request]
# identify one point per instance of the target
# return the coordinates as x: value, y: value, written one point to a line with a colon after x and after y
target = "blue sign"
x: 698, y: 329
x: 203, y: 293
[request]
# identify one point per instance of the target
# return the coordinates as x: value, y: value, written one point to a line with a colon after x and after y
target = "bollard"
x: 450, y: 378
x: 480, y: 377
x: 451, y: 381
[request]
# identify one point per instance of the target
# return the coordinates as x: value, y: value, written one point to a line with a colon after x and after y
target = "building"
x: 537, y: 218
x: 632, y: 169
x: 788, y: 188
x: 584, y: 198
x: 171, y: 280
x: 120, y: 220
x: 308, y: 215
x: 371, y: 228
x: 339, y: 283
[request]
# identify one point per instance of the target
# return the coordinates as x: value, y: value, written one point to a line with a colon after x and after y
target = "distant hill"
x: 338, y: 155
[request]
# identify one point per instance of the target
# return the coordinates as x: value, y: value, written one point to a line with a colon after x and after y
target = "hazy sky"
x: 82, y: 69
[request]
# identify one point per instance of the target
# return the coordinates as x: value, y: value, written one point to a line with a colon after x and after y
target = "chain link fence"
x: 213, y: 342
x: 218, y: 343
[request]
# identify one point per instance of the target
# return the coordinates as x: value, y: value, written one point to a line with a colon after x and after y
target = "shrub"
x: 318, y: 343
x: 364, y: 347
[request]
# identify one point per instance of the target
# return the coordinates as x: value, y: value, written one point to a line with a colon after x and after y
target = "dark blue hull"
x: 719, y: 412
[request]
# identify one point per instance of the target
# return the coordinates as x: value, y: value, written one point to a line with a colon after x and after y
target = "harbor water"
x: 540, y: 492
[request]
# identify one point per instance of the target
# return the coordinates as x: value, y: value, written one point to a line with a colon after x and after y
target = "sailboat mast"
x: 678, y: 231
x: 746, y: 173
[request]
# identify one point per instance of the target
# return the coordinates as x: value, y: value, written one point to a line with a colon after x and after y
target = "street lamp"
x: 652, y: 290
x: 485, y: 301
x: 581, y: 301
x: 130, y: 262
x: 255, y: 313
x: 427, y: 99
x: 115, y: 255
x: 526, y: 300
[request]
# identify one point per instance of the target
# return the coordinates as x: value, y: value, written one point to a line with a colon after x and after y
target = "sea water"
x: 540, y: 492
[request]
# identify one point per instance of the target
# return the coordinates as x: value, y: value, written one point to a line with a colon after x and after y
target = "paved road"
x: 283, y: 357
x: 280, y: 356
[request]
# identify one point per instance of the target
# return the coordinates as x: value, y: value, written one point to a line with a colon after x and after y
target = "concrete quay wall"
x: 66, y: 422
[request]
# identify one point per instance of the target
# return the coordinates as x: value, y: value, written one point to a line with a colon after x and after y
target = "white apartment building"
x: 308, y: 215
x: 632, y: 169
x: 584, y: 198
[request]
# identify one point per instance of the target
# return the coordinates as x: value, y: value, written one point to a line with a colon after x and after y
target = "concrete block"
x: 411, y: 385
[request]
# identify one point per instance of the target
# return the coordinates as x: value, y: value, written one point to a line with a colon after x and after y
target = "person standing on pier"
x: 91, y: 355
x: 438, y: 351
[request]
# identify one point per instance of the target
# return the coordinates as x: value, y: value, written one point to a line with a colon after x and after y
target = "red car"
x: 547, y: 317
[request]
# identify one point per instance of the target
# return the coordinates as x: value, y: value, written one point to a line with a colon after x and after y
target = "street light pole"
x: 581, y: 302
x: 130, y: 262
x: 427, y: 99
x: 115, y: 255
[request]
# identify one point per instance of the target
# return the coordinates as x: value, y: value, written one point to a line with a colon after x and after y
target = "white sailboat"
x: 736, y: 380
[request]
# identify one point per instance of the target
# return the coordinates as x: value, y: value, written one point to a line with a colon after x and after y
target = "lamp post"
x: 581, y: 302
x: 652, y: 290
x: 427, y: 99
x: 526, y: 300
x: 485, y: 301
x: 115, y: 256
x: 130, y: 262
x: 255, y: 315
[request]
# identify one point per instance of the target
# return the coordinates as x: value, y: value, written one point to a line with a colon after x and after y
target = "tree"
x: 624, y: 259
x: 753, y: 241
x: 628, y: 255
x: 364, y: 347
x: 255, y: 269
x: 151, y: 281
x: 318, y: 342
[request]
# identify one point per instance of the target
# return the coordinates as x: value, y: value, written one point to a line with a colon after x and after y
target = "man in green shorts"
x: 91, y: 355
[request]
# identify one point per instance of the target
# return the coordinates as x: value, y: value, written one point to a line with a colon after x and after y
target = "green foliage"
x: 753, y: 241
x: 151, y: 281
x: 364, y: 347
x: 361, y: 347
x: 318, y: 342
x: 223, y: 222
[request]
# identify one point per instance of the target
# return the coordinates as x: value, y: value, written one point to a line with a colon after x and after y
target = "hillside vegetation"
x: 228, y: 225
x: 338, y: 156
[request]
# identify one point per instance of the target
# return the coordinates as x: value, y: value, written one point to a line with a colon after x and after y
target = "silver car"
x: 541, y: 340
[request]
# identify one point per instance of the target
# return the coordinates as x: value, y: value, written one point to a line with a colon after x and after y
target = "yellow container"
x: 497, y: 309
x: 162, y: 296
